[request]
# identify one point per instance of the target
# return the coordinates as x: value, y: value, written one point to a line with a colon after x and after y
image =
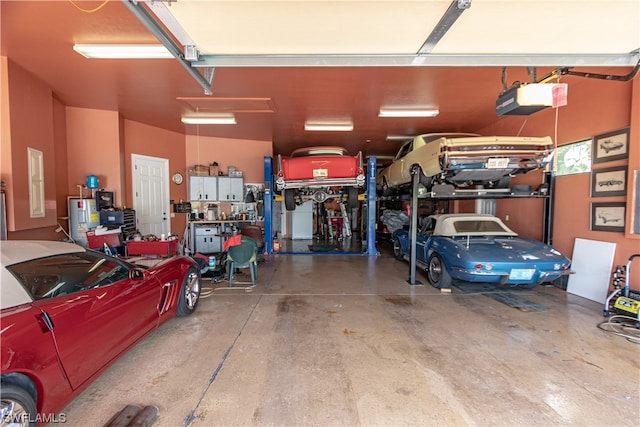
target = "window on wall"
x: 573, y: 158
x: 36, y: 183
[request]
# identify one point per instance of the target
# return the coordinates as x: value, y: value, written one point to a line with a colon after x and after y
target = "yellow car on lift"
x: 464, y: 159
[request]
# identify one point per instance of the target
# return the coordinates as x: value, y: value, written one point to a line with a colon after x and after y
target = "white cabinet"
x: 230, y: 189
x: 206, y: 238
x: 203, y: 188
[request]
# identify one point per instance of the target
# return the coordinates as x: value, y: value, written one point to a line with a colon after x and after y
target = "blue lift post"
x: 268, y: 205
x: 371, y: 206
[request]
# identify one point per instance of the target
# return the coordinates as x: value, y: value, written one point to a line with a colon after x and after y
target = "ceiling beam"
x: 430, y: 60
x: 450, y: 16
x: 147, y: 20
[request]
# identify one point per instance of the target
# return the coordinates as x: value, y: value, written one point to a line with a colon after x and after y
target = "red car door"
x: 91, y: 327
x: 28, y: 347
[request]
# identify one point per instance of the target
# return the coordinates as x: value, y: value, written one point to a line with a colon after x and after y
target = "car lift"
x: 370, y: 194
x: 449, y: 192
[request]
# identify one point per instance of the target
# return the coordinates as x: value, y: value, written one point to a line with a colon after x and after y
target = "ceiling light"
x: 209, y: 119
x: 432, y: 112
x: 340, y: 127
x: 123, y: 51
x: 399, y: 137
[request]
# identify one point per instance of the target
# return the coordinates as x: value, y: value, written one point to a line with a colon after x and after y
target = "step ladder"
x: 346, y: 225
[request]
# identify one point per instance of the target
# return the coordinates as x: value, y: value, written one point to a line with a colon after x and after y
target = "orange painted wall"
x: 594, y: 107
x: 151, y: 141
x: 93, y: 148
x: 6, y: 168
x: 28, y: 125
x: 62, y: 163
x: 246, y: 155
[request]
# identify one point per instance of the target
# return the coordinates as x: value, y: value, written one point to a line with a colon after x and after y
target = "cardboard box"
x: 199, y: 170
x: 214, y: 170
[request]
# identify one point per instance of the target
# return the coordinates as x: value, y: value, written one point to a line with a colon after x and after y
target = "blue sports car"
x: 479, y: 248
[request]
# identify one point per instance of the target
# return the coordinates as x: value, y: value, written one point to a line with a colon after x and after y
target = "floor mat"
x: 323, y: 248
x: 515, y: 301
x: 480, y: 288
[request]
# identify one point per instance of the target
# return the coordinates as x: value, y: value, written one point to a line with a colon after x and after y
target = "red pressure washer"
x: 623, y: 300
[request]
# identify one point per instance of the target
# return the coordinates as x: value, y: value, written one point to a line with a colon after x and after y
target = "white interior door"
x: 151, y: 194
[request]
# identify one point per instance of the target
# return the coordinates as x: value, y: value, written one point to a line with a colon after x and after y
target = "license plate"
x: 497, y: 163
x: 320, y: 173
x: 521, y: 273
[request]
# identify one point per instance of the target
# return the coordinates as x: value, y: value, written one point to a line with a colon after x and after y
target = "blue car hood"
x: 497, y: 249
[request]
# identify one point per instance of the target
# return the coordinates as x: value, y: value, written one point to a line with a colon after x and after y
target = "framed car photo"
x: 608, y: 216
x: 609, y: 182
x: 611, y: 146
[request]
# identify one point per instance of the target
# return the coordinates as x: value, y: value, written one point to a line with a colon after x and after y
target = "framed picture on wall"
x: 611, y: 146
x: 608, y: 216
x: 608, y: 182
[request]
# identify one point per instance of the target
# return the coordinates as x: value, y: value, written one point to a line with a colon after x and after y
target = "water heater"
x: 83, y: 216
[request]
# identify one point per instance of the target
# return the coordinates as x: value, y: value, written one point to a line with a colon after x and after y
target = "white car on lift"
x: 465, y: 159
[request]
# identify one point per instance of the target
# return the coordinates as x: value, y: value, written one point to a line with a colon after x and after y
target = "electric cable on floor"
x: 624, y: 326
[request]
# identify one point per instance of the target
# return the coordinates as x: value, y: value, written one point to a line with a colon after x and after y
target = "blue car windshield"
x: 475, y: 226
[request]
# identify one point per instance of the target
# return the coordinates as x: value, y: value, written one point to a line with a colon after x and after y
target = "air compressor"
x: 623, y: 300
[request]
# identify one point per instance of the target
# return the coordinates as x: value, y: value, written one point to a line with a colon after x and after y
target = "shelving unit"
x: 130, y: 226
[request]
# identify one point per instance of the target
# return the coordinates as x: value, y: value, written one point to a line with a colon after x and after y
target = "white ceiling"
x: 376, y: 27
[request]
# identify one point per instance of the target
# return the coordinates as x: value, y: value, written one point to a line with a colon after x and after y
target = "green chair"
x: 244, y: 255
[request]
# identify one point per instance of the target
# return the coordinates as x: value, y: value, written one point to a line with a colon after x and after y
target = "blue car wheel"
x: 397, y: 249
x: 437, y: 272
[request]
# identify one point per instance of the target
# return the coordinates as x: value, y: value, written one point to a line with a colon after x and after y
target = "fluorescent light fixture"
x: 393, y: 112
x: 399, y: 137
x: 209, y: 119
x: 123, y: 51
x: 339, y: 127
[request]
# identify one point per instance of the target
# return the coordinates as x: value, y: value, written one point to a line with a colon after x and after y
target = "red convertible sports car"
x: 314, y: 172
x: 67, y: 313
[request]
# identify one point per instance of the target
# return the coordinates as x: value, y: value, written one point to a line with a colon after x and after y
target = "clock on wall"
x: 177, y: 178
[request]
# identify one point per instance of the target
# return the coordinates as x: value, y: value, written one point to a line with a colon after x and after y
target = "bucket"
x: 92, y: 182
x: 212, y: 213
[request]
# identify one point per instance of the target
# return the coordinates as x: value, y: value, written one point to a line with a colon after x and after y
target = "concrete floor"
x: 332, y: 340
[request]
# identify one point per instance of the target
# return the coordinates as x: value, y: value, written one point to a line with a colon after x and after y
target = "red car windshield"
x: 306, y: 152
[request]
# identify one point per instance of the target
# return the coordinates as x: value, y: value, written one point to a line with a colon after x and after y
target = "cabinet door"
x: 230, y: 189
x: 210, y: 188
x: 237, y: 189
x: 196, y: 188
x: 203, y: 188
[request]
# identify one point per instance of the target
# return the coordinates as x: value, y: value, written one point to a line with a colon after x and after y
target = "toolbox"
x: 155, y: 248
x: 110, y: 238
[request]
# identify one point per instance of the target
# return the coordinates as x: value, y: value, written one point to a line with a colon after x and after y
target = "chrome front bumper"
x: 281, y: 184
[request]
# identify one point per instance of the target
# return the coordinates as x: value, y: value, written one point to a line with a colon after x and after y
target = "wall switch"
x: 173, y: 214
x: 506, y: 217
